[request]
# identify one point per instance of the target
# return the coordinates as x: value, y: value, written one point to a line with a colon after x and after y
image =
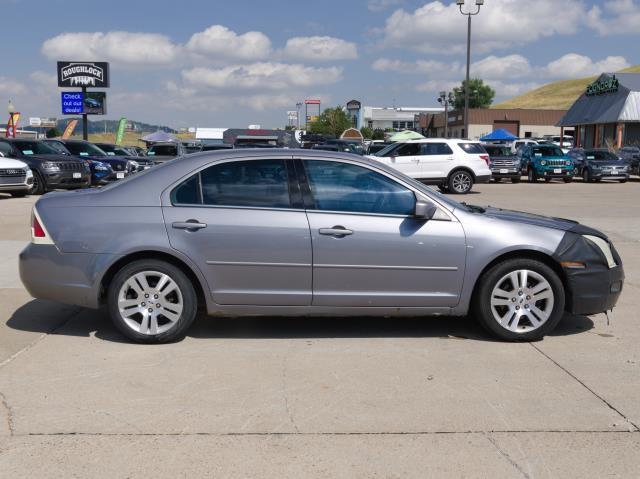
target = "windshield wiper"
x: 474, y: 208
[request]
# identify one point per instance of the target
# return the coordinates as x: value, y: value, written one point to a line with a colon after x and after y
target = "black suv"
x: 124, y: 153
x: 51, y: 170
x: 84, y: 150
x: 503, y: 163
x: 632, y: 155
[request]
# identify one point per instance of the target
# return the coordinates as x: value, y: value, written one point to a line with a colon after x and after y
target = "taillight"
x: 485, y: 158
x: 39, y: 234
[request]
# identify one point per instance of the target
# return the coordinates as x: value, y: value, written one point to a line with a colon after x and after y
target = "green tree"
x: 332, y: 121
x: 480, y: 95
x: 52, y: 133
x: 367, y: 133
x: 378, y: 134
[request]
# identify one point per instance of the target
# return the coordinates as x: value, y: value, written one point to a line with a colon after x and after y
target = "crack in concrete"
x: 311, y: 434
x: 283, y: 378
x: 507, y: 457
x: 607, y: 403
x: 40, y: 338
x: 9, y: 412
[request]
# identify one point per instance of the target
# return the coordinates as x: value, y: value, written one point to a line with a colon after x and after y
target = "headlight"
x: 132, y: 165
x: 101, y: 167
x: 605, y: 247
x: 543, y: 162
x: 568, y: 163
x: 47, y: 165
x: 28, y: 172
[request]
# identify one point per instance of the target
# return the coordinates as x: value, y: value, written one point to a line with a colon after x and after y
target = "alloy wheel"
x: 150, y: 302
x: 522, y: 301
x: 461, y: 182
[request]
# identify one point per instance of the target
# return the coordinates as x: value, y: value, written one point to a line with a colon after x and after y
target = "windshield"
x: 34, y: 148
x: 84, y: 149
x: 498, y: 150
x: 163, y: 150
x: 546, y: 151
x: 385, y: 151
x: 59, y: 147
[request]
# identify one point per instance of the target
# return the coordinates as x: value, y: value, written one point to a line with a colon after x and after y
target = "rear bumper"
x: 483, y: 178
x: 69, y: 278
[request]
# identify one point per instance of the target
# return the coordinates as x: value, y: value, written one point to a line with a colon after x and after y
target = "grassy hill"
x: 558, y: 95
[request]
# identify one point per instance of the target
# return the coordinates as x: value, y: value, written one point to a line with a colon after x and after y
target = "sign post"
x: 84, y: 74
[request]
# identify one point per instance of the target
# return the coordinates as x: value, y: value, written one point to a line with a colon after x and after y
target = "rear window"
x: 498, y: 150
x: 163, y: 150
x: 473, y: 148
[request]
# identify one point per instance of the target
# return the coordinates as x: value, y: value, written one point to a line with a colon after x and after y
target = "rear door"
x: 436, y: 160
x: 242, y: 222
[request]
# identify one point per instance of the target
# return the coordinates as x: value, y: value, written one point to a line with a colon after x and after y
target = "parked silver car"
x: 300, y: 232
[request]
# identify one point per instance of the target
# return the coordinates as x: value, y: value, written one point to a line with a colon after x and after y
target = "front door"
x: 368, y: 249
x: 238, y: 221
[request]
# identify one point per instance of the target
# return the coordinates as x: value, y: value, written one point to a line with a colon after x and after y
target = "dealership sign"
x: 83, y: 74
x: 601, y: 87
x: 81, y: 103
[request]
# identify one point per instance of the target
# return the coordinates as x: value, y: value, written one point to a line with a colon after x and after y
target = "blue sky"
x: 230, y: 64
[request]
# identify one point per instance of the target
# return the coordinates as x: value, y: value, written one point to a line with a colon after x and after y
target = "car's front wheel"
x: 531, y: 176
x: 39, y: 185
x: 460, y: 182
x: 520, y: 300
x: 152, y: 301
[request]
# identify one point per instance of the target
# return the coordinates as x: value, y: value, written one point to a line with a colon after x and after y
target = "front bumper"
x: 552, y: 172
x: 505, y: 172
x: 65, y: 180
x: 596, y: 288
x: 602, y: 175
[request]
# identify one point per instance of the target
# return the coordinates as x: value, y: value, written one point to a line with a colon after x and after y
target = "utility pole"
x: 460, y: 4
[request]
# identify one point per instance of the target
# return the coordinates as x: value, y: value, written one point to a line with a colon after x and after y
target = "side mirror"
x: 424, y: 210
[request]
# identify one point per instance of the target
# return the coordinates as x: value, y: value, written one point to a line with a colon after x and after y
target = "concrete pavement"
x: 349, y: 397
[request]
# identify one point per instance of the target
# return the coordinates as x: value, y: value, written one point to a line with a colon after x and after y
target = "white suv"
x: 16, y: 177
x: 454, y: 165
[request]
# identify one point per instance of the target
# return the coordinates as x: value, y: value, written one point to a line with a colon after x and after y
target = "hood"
x: 9, y: 163
x: 54, y: 158
x: 562, y: 224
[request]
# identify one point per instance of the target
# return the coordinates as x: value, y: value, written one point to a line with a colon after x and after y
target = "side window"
x: 187, y: 192
x: 5, y: 148
x: 408, y: 149
x: 345, y: 187
x: 257, y: 183
x: 436, y: 149
x: 444, y: 149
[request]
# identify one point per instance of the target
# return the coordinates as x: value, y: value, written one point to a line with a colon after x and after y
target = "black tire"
x: 460, y: 182
x: 623, y: 181
x: 586, y: 176
x: 515, y: 179
x: 531, y: 176
x: 190, y: 301
x: 443, y: 188
x: 497, y: 180
x: 547, y: 180
x: 18, y: 194
x: 568, y: 180
x: 482, y: 308
x: 39, y: 186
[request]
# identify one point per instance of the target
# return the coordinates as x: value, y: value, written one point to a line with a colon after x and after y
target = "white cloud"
x: 320, y: 49
x: 615, y: 17
x: 431, y: 68
x: 440, y: 28
x: 573, y: 65
x: 510, y: 66
x: 44, y: 80
x: 380, y: 5
x: 117, y: 47
x: 218, y: 41
x: 11, y: 86
x: 261, y: 76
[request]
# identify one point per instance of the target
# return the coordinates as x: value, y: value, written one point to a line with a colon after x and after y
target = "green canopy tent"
x: 406, y: 135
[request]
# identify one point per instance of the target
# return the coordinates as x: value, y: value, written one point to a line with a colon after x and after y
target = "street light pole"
x: 460, y: 4
x: 446, y: 99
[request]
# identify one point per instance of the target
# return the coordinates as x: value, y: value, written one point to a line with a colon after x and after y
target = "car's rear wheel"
x: 520, y: 300
x: 460, y: 182
x: 531, y: 176
x: 18, y: 194
x: 443, y: 188
x: 152, y: 301
x: 586, y: 176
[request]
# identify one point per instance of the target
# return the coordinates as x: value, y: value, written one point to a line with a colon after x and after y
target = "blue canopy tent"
x: 499, y: 135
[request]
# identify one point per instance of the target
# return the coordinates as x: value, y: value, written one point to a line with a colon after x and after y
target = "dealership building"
x: 607, y: 114
x: 523, y: 123
x: 396, y: 118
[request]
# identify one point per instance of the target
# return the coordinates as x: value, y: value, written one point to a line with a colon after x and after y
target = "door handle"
x: 337, y: 231
x: 451, y: 158
x: 189, y: 225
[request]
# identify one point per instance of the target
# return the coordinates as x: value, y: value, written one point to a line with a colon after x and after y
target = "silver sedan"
x: 300, y: 233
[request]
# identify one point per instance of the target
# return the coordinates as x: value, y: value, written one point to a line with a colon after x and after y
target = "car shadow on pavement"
x: 85, y: 322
